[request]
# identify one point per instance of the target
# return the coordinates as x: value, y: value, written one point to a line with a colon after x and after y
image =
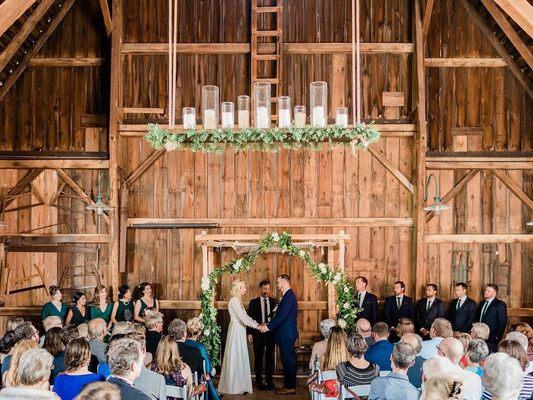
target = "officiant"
x: 261, y: 309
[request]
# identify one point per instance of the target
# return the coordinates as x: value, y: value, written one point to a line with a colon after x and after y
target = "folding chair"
x: 361, y: 390
x: 178, y: 392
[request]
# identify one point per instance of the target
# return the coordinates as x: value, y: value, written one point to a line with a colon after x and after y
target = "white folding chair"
x: 361, y: 390
x: 384, y: 373
x: 177, y: 392
x: 325, y: 376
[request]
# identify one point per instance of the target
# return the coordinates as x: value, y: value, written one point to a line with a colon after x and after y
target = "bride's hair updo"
x: 236, y: 287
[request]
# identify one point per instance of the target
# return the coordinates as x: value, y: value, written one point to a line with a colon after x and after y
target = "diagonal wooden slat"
x: 427, y: 19
x: 39, y: 43
x: 10, y: 11
x: 24, y: 32
x: 143, y: 168
x: 392, y: 169
x: 104, y: 5
x: 513, y: 187
x: 18, y: 188
x: 521, y: 12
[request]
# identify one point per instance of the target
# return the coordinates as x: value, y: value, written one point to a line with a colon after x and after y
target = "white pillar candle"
x: 244, y: 119
x: 228, y: 120
x: 317, y: 117
x: 189, y: 121
x: 210, y: 119
x: 262, y: 118
x: 284, y: 120
x: 299, y: 119
x: 341, y: 120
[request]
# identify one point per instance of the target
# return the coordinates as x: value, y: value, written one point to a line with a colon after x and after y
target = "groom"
x: 284, y: 326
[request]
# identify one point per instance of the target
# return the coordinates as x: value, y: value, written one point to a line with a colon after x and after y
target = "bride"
x: 235, y: 377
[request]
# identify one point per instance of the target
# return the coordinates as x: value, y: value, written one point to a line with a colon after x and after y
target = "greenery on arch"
x: 347, y: 299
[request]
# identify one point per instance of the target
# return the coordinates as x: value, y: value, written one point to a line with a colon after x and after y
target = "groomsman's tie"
x: 458, y: 304
x: 399, y: 302
x: 265, y: 309
x: 428, y: 305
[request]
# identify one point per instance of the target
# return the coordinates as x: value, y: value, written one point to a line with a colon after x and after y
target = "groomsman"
x: 368, y: 301
x: 493, y: 312
x: 398, y: 306
x: 428, y: 309
x: 462, y: 312
x: 261, y: 309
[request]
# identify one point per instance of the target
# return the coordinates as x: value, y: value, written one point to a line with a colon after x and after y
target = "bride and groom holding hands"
x: 271, y: 323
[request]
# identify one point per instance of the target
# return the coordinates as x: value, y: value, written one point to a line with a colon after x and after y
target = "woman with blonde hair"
x: 319, y: 348
x: 11, y: 377
x: 168, y: 363
x: 236, y: 376
x: 443, y: 387
x: 336, y: 351
x: 101, y: 307
x: 405, y: 325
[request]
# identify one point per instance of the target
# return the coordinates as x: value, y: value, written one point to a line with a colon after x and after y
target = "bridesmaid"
x: 78, y: 314
x: 101, y: 307
x: 146, y: 301
x: 123, y: 307
x: 55, y: 307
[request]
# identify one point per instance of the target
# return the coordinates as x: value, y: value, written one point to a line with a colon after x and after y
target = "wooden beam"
x: 467, y: 131
x: 521, y: 12
x: 31, y: 239
x: 427, y: 19
x: 143, y: 110
x: 78, y: 190
x: 434, y: 163
x: 513, y: 187
x: 454, y: 191
x: 473, y: 238
x: 509, y: 31
x: 186, y: 48
x: 23, y: 33
x: 10, y: 11
x: 66, y: 62
x: 51, y: 249
x: 392, y: 169
x: 524, y: 81
x: 18, y: 188
x: 207, y: 237
x: 94, y: 121
x: 106, y: 14
x: 465, y: 62
x: 156, y: 154
x: 50, y: 28
x: 53, y: 155
x: 55, y: 164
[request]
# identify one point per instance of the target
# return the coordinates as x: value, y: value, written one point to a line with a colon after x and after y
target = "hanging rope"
x: 356, y: 67
x: 172, y: 59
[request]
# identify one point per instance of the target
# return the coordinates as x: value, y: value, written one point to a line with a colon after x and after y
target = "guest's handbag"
x: 199, y: 389
x: 329, y: 388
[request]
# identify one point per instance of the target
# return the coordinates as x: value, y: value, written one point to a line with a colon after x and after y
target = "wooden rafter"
x: 19, y: 187
x: 32, y: 239
x: 10, y: 11
x: 513, y: 187
x: 520, y: 12
x: 509, y: 31
x: 106, y: 14
x: 143, y: 168
x: 24, y: 32
x: 78, y: 190
x: 524, y: 81
x: 454, y: 191
x: 479, y: 238
x: 465, y: 62
x: 427, y: 19
x: 392, y: 169
x: 39, y: 43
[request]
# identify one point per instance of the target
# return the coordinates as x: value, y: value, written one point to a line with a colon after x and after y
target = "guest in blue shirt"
x: 476, y: 353
x: 70, y: 383
x: 379, y: 353
x: 396, y: 386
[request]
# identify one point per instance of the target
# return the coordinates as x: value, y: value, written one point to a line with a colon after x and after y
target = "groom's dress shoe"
x: 270, y: 387
x: 285, y: 391
x: 261, y: 386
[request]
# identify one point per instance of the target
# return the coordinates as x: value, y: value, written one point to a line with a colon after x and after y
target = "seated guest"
x: 76, y: 375
x: 398, y: 306
x: 55, y: 306
x: 440, y: 329
x: 428, y: 309
x: 154, y: 329
x: 462, y: 310
x: 13, y: 323
x: 121, y: 328
x: 125, y: 361
x: 51, y: 322
x: 363, y: 327
x: 319, y: 348
x: 415, y: 372
x: 525, y: 328
x: 54, y: 345
x: 33, y: 370
x: 97, y: 332
x: 516, y: 351
x: 436, y: 366
x: 194, y: 330
x: 11, y: 375
x: 452, y: 349
x: 396, y: 386
x: 465, y: 339
x: 380, y: 352
x: 356, y: 371
x: 78, y: 314
x: 405, y: 325
x: 25, y: 331
x: 190, y: 355
x: 336, y: 351
x: 83, y: 331
x: 502, y: 377
x: 168, y: 363
x: 476, y: 353
x: 6, y: 344
x: 99, y: 391
x: 480, y: 331
x: 123, y: 307
x: 101, y: 307
x: 442, y: 387
x: 522, y: 339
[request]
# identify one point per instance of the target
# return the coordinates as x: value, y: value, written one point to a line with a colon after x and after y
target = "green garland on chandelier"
x: 217, y: 140
x: 347, y: 298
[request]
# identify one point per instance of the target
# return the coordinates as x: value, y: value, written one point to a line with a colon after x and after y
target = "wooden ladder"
x: 266, y: 51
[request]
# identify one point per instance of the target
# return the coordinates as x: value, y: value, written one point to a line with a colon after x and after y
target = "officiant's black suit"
x: 264, y: 343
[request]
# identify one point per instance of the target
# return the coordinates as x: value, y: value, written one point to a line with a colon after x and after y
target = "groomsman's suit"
x: 261, y: 309
x: 393, y: 313
x: 495, y: 316
x: 369, y: 304
x: 462, y: 316
x: 425, y: 316
x: 285, y: 327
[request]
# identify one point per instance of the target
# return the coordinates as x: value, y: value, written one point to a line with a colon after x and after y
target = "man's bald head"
x: 363, y: 326
x: 452, y: 348
x: 414, y: 340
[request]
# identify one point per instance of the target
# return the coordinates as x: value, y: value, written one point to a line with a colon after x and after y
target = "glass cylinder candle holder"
x: 243, y: 104
x: 299, y: 116
x: 284, y: 112
x: 228, y: 114
x: 319, y: 103
x: 341, y: 117
x: 210, y: 95
x: 262, y: 105
x: 189, y: 117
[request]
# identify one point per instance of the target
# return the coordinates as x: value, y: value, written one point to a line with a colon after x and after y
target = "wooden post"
x: 332, y: 310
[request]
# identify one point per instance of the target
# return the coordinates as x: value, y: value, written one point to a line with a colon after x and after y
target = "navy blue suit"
x: 496, y: 318
x: 463, y: 317
x: 370, y: 308
x: 285, y: 328
x: 393, y: 314
x: 379, y: 353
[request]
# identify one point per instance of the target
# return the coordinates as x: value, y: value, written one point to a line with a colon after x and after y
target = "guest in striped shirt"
x: 502, y: 377
x: 357, y: 371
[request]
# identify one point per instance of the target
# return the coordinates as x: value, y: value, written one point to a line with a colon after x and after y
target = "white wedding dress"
x: 235, y: 376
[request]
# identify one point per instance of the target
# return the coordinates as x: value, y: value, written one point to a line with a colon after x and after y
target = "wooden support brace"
x: 427, y: 19
x: 513, y: 187
x: 18, y: 188
x: 392, y: 169
x: 143, y: 168
x: 106, y: 14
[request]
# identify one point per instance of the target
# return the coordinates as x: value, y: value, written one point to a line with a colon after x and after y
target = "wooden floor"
x: 301, y: 393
